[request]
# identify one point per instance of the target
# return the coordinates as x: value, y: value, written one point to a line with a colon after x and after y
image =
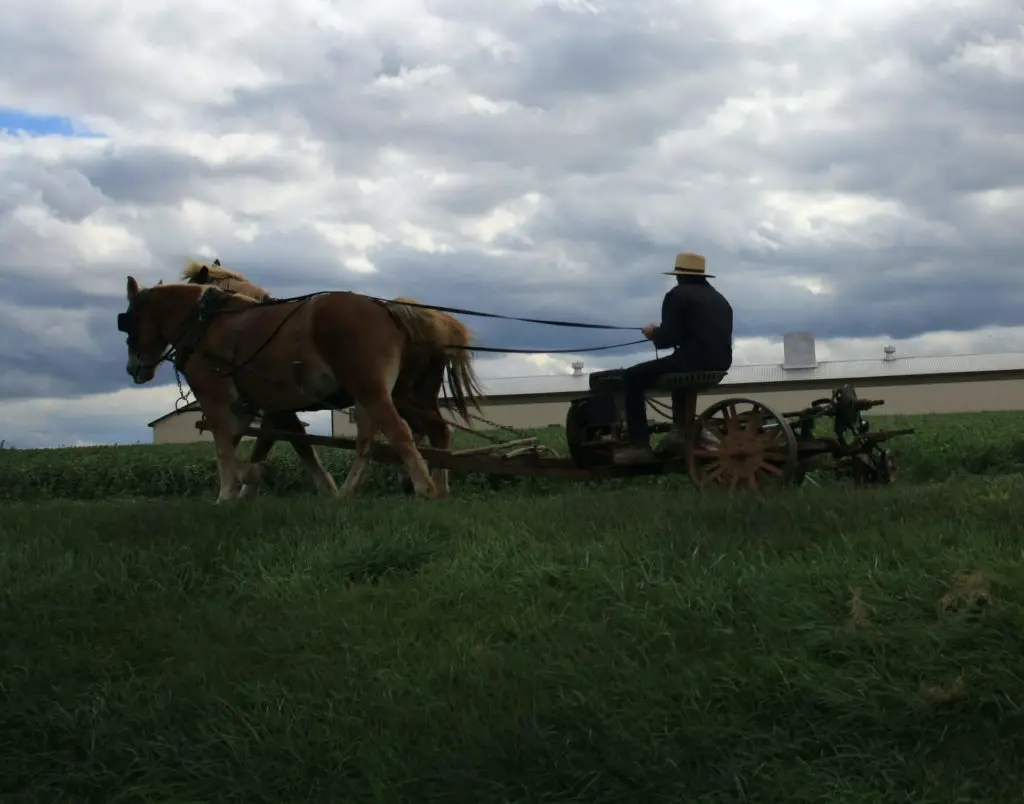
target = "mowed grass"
x: 638, y: 642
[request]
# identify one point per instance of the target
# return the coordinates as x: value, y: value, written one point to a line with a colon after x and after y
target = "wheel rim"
x: 742, y: 444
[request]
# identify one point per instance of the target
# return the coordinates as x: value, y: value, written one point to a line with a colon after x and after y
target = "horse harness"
x: 193, y: 327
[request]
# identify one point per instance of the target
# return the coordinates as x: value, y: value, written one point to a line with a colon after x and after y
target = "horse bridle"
x: 128, y: 323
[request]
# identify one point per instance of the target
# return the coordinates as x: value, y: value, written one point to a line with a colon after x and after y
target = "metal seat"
x: 692, y: 381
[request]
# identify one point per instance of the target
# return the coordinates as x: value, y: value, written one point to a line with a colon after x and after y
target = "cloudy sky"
x: 852, y: 169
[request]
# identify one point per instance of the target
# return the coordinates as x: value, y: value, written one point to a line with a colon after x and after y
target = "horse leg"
x: 407, y: 487
x: 322, y: 479
x: 383, y: 414
x: 252, y: 475
x: 428, y: 426
x: 367, y: 433
x: 225, y: 440
x: 440, y: 436
x: 414, y: 419
x: 428, y: 423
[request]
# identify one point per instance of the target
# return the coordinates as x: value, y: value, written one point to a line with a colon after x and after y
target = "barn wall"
x: 179, y: 429
x: 537, y: 412
x: 906, y: 399
x: 910, y: 400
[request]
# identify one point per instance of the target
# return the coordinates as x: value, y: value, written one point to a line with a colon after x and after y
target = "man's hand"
x: 649, y: 331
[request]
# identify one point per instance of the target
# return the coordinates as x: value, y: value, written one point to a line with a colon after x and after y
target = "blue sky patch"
x: 14, y: 121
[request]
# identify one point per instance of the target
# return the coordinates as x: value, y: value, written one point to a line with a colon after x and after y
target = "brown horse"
x: 443, y: 347
x: 242, y: 357
x: 200, y: 273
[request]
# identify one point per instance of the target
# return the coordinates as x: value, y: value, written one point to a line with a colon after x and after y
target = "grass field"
x: 944, y: 447
x: 530, y: 643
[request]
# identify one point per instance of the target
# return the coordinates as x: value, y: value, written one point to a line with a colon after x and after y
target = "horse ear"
x: 217, y: 261
x: 133, y: 288
x: 160, y: 282
x: 203, y: 276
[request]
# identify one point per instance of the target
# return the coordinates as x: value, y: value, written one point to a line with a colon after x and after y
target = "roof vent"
x: 577, y: 368
x: 798, y: 351
x: 890, y: 352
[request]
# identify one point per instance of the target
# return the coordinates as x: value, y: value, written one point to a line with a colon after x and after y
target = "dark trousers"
x: 638, y: 380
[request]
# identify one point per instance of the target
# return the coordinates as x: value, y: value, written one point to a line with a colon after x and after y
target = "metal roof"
x: 829, y: 371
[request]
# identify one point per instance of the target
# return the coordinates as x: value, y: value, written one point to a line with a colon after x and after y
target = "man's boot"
x: 633, y: 454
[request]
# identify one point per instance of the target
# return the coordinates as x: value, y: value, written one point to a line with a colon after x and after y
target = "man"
x: 696, y: 323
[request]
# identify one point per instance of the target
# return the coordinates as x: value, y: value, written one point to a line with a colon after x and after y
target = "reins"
x: 178, y: 355
x: 479, y: 314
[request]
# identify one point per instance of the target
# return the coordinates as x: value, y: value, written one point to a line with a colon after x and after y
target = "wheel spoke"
x: 714, y: 473
x: 705, y: 453
x: 717, y: 427
x: 756, y: 421
x: 732, y: 420
x: 770, y: 467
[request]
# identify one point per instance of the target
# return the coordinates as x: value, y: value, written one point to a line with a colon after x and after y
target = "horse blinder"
x: 128, y: 324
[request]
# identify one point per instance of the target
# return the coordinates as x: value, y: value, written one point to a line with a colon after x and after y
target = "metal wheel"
x: 584, y: 454
x: 742, y: 443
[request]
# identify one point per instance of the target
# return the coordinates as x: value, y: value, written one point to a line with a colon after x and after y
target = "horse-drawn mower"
x: 234, y: 336
x: 737, y: 443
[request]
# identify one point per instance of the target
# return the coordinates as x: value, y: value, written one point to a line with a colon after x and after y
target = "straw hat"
x: 689, y: 264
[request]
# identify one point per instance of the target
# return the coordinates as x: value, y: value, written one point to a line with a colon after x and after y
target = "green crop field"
x: 522, y: 641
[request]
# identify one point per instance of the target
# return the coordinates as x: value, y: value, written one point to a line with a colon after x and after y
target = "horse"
x: 242, y: 357
x: 445, y: 347
x: 197, y: 272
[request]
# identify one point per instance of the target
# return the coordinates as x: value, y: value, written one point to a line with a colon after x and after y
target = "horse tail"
x: 446, y: 336
x: 418, y: 322
x: 463, y: 383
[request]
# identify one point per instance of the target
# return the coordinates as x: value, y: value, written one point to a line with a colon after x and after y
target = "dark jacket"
x: 696, y: 321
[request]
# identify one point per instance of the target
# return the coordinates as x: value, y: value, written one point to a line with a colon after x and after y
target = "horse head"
x: 155, y: 322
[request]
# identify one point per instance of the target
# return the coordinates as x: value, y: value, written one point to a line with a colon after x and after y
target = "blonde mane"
x: 225, y: 279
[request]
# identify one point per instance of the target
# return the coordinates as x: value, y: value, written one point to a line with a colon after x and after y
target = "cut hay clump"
x: 860, y: 613
x: 969, y: 592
